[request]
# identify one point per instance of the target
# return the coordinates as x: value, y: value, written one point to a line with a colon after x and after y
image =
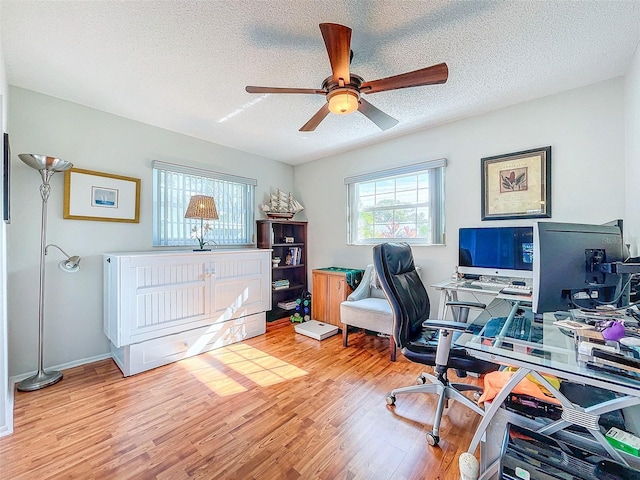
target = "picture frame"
x: 6, y: 179
x: 99, y: 196
x: 517, y: 185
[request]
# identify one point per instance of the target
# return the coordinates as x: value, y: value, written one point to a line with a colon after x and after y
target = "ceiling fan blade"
x: 425, y: 76
x: 337, y: 39
x: 376, y: 115
x: 311, y: 125
x: 252, y: 89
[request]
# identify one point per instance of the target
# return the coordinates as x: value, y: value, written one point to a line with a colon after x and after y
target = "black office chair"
x: 422, y: 340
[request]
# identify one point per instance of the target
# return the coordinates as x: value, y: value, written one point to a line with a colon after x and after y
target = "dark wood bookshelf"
x: 270, y: 235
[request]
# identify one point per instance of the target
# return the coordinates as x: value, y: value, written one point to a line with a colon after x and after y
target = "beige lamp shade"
x: 202, y: 207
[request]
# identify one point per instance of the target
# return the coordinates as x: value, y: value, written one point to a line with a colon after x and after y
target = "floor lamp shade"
x: 47, y: 166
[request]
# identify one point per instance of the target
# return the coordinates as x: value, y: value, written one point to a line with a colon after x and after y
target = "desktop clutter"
x: 607, y: 339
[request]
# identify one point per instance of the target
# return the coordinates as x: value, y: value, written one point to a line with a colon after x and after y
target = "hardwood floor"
x: 280, y: 406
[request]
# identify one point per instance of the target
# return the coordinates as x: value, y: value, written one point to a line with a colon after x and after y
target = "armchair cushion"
x: 369, y: 313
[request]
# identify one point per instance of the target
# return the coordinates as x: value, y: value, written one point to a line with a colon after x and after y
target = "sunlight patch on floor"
x: 213, y: 378
x: 256, y: 365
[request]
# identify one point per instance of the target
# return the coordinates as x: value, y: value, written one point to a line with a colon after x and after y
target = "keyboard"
x: 516, y: 290
x: 502, y: 287
x: 486, y: 285
x: 519, y: 329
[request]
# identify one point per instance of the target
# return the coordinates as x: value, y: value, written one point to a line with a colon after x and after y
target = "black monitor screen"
x: 502, y: 251
x: 562, y: 278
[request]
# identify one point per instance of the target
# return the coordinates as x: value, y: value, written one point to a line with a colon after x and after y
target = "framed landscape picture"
x: 90, y: 195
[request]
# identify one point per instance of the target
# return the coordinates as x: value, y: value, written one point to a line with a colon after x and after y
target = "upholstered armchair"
x: 368, y: 308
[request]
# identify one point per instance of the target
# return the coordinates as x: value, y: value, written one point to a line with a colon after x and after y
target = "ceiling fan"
x: 343, y: 90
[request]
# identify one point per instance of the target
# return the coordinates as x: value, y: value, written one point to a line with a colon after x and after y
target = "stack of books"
x: 280, y: 284
x: 294, y: 256
x: 288, y: 305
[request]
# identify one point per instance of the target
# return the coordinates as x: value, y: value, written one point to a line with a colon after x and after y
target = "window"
x: 173, y: 186
x: 404, y: 204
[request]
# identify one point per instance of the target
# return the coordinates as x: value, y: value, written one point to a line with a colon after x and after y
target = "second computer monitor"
x: 562, y: 255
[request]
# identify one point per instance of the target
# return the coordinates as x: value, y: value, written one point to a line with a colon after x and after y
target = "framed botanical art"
x: 517, y: 185
x: 90, y: 195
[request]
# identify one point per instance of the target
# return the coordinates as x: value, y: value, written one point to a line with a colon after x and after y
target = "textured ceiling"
x: 183, y: 65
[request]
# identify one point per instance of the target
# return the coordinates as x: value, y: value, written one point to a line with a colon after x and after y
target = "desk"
x: 500, y: 304
x: 555, y: 355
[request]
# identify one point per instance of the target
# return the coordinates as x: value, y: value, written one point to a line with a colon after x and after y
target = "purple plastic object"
x: 614, y: 332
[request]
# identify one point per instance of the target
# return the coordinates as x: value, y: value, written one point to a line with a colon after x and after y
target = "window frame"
x: 183, y: 226
x: 436, y: 202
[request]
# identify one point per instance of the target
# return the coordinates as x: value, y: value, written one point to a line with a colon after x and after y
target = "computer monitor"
x: 496, y: 251
x: 566, y: 265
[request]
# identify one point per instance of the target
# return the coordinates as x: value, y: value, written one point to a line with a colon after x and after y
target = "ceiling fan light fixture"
x: 343, y: 101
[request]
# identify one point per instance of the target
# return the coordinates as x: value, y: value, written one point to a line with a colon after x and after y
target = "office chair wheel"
x: 421, y: 380
x: 432, y: 439
x: 391, y: 399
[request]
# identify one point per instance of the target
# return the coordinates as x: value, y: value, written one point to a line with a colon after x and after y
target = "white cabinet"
x: 161, y: 307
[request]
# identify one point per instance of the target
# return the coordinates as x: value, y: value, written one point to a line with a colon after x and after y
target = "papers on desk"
x: 574, y: 326
x: 595, y: 353
x: 593, y: 317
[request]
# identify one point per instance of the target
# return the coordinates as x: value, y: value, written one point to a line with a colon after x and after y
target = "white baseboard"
x: 63, y: 366
x: 8, y: 428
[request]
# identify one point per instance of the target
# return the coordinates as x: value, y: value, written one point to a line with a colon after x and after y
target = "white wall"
x: 6, y: 414
x: 92, y: 140
x: 632, y: 154
x: 585, y: 128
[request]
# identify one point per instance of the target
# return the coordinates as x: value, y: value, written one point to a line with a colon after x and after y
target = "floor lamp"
x: 47, y: 166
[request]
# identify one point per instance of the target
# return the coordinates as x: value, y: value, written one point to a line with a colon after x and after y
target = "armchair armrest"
x: 362, y: 290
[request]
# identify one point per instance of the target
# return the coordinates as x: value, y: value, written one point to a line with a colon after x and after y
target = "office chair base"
x: 446, y: 391
x: 432, y: 439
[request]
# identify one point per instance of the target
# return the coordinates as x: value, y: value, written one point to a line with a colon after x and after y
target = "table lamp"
x: 204, y: 208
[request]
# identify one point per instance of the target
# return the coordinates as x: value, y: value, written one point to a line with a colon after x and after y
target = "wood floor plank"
x: 281, y: 406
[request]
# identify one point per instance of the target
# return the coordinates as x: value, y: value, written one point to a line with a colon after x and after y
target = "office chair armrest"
x: 461, y: 304
x: 445, y: 325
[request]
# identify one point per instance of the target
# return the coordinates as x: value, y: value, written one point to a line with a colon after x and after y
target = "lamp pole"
x: 47, y: 166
